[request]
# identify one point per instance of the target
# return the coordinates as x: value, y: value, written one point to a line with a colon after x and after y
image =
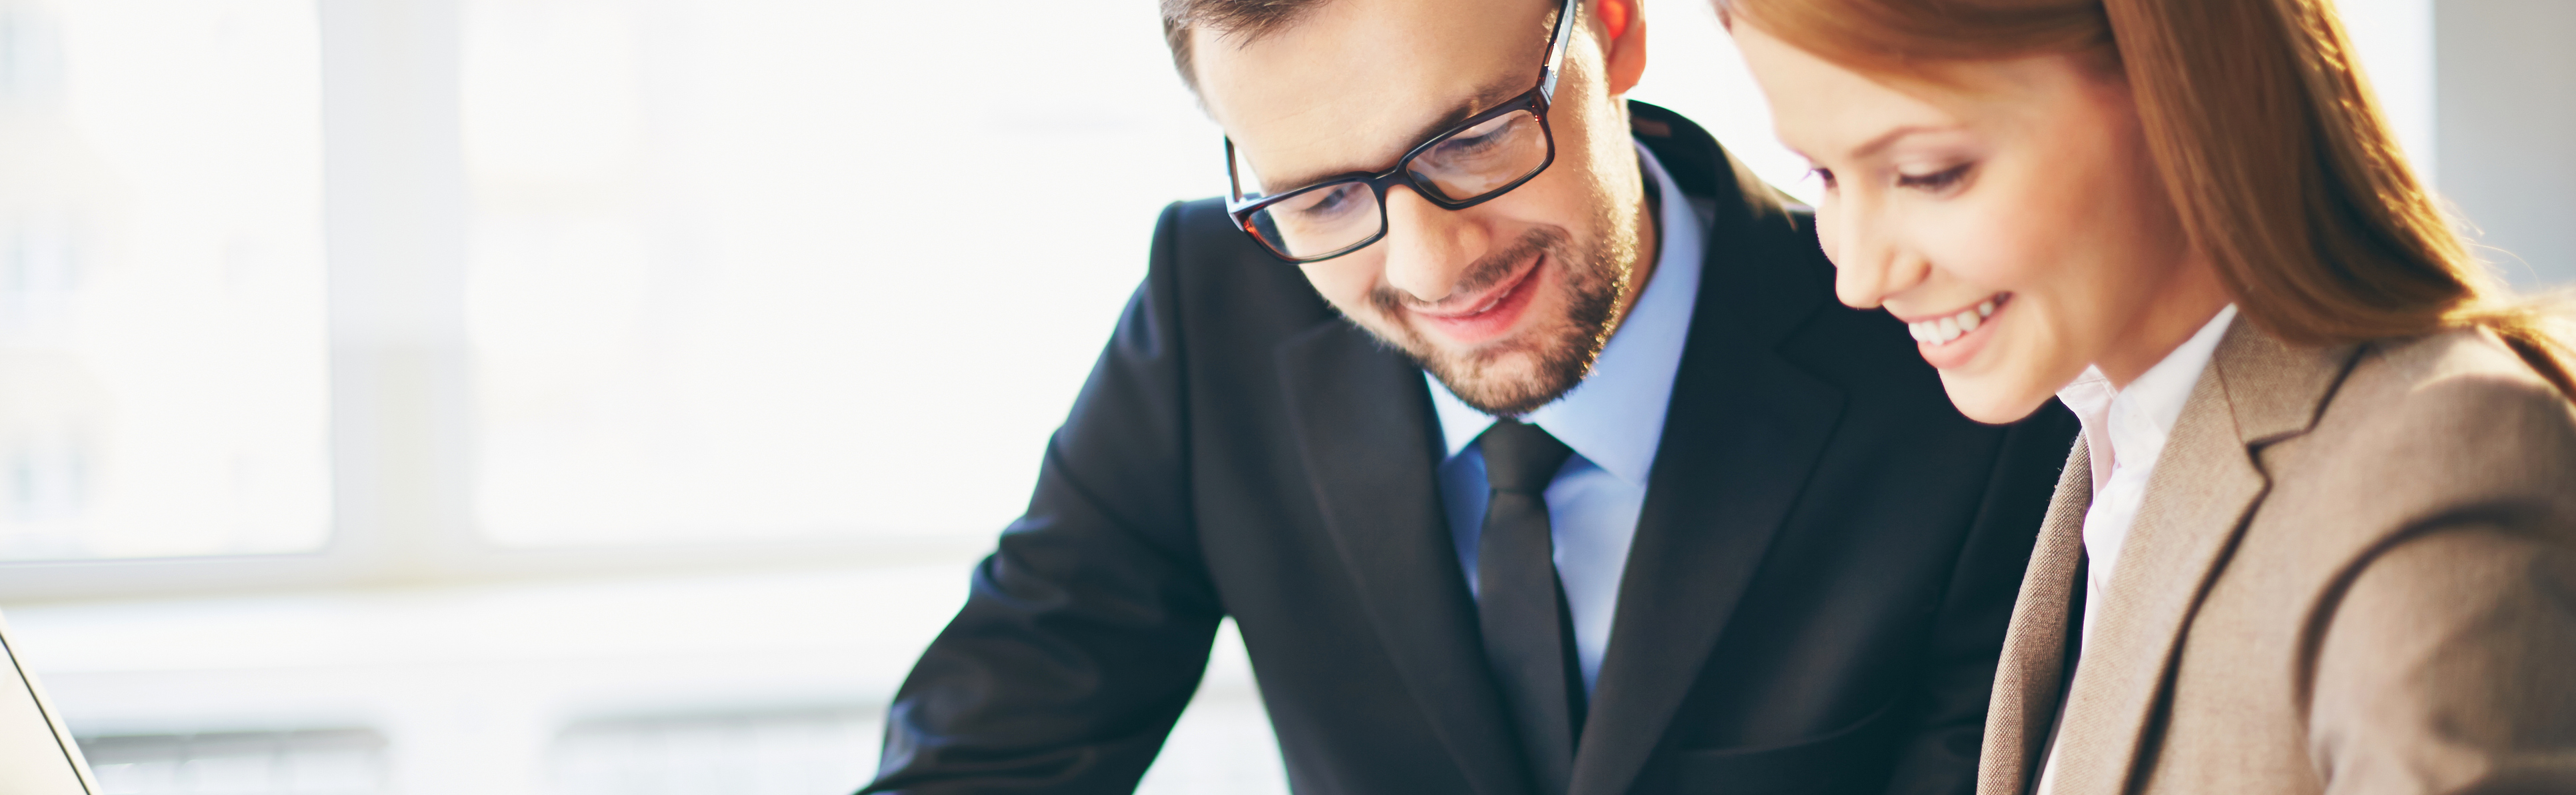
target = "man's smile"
x: 1486, y: 315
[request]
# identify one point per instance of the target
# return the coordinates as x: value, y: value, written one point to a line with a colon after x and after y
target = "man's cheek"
x: 1345, y: 290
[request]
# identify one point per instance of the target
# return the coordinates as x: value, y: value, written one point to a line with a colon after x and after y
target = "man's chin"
x: 1506, y: 377
x: 1513, y: 381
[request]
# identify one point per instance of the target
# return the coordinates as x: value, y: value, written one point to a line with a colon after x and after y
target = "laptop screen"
x: 36, y: 756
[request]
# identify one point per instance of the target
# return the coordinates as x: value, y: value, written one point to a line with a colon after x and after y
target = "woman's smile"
x: 1950, y: 339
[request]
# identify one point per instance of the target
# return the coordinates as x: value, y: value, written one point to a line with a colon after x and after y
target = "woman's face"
x: 2007, y: 211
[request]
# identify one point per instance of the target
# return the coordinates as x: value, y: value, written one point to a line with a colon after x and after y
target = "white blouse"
x: 2126, y: 430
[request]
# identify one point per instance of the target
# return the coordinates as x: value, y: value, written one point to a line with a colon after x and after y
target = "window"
x: 162, y: 387
x: 714, y: 242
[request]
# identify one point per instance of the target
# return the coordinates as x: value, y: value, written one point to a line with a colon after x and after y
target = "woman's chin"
x: 1988, y: 400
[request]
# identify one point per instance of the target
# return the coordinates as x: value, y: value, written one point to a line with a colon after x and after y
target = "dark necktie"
x: 1521, y: 607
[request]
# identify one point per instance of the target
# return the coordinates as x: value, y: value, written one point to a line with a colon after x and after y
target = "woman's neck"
x: 2185, y: 304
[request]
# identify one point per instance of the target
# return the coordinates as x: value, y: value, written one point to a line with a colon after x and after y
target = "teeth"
x: 1497, y: 301
x: 1940, y: 331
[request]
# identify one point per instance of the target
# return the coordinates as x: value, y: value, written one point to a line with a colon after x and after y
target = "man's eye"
x: 1483, y: 137
x: 1937, y: 181
x: 1323, y: 202
x: 1466, y: 144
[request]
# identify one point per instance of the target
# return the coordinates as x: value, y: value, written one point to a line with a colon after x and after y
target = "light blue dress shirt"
x: 1614, y: 420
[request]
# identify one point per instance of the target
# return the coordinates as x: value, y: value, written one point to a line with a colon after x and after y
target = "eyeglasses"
x: 1483, y: 157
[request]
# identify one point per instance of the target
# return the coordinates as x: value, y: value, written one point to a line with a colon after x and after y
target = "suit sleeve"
x: 1086, y: 631
x: 2449, y: 666
x: 2444, y: 659
x: 1938, y: 755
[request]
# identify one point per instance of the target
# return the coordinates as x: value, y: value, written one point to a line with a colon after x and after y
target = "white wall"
x: 2505, y: 127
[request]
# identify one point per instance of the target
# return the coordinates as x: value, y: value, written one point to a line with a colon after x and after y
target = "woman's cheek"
x: 1976, y: 241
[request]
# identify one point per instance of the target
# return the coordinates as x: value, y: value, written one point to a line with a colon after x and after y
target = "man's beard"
x: 1515, y: 376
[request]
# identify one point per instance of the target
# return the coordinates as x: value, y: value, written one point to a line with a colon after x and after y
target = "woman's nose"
x: 1870, y: 263
x: 1428, y: 249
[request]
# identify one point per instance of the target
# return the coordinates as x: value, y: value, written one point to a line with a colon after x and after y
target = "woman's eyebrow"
x: 1874, y: 145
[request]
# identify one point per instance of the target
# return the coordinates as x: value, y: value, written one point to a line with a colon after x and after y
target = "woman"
x: 2320, y: 532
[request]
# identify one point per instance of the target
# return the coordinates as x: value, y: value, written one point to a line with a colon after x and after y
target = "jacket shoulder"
x: 2444, y: 429
x: 2461, y: 396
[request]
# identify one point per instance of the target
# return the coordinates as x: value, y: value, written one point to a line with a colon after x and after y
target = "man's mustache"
x: 1486, y: 272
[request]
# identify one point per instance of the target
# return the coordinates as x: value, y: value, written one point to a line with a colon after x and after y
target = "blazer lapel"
x: 2204, y: 488
x: 1746, y: 427
x: 2031, y: 672
x: 1363, y: 422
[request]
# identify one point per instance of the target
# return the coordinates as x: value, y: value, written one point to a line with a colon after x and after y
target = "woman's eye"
x: 1823, y: 175
x: 1937, y: 181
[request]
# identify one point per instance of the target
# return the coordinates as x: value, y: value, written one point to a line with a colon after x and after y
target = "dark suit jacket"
x: 1822, y: 572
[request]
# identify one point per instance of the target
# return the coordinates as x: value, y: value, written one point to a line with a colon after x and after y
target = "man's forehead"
x: 1353, y: 83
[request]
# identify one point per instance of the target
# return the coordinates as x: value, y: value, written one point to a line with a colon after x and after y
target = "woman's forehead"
x: 1827, y: 110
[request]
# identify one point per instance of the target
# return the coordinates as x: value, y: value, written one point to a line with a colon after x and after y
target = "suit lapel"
x: 2204, y: 488
x: 1735, y: 452
x: 1363, y: 422
x: 2031, y: 673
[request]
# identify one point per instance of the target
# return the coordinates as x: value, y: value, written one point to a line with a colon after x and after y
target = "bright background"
x: 574, y: 396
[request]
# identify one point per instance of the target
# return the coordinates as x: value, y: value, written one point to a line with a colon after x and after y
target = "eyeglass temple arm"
x: 1233, y: 181
x: 1556, y: 48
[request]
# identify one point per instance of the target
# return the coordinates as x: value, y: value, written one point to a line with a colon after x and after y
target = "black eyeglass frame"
x: 1536, y: 100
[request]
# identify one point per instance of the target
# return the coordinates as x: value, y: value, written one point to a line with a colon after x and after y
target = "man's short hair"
x: 1242, y: 20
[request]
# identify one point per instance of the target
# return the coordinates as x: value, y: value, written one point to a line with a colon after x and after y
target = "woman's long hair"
x: 2270, y: 144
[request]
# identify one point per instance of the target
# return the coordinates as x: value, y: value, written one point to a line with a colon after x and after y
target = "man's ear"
x: 1622, y: 33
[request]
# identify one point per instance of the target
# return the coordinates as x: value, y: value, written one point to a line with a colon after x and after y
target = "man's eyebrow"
x: 1482, y: 99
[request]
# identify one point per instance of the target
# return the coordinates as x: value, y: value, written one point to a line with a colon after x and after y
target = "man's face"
x: 1507, y: 302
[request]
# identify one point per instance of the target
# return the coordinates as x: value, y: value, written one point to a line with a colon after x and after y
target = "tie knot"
x: 1521, y: 457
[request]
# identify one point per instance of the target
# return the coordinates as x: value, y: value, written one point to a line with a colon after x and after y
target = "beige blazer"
x: 2354, y: 572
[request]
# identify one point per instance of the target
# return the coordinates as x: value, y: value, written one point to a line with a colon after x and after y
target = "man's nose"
x: 1870, y: 264
x: 1428, y: 249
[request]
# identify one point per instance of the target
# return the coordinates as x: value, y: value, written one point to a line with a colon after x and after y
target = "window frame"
x: 401, y: 429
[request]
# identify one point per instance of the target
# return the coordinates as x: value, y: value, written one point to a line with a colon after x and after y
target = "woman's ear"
x: 1622, y: 31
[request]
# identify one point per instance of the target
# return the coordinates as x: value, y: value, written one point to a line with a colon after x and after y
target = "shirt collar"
x: 2133, y: 423
x: 1615, y: 418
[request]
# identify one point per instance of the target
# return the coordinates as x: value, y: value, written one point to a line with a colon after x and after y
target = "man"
x: 1551, y: 466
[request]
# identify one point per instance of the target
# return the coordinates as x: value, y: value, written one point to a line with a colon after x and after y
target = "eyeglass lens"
x: 1464, y: 166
